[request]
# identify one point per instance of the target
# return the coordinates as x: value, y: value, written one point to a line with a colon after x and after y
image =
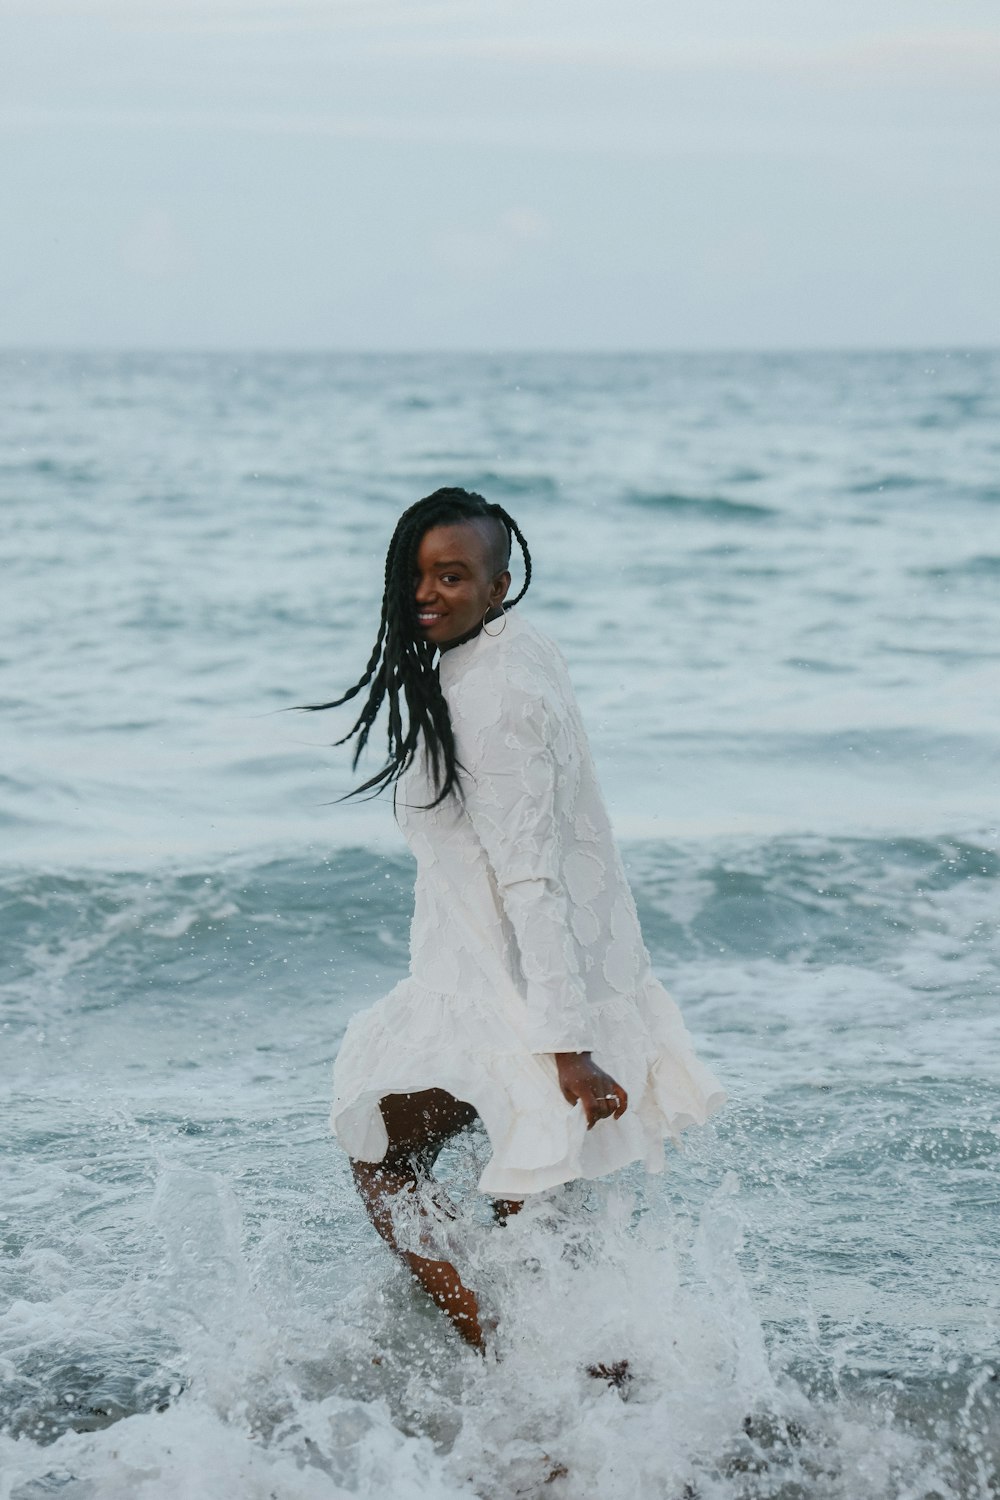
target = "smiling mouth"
x: 428, y: 617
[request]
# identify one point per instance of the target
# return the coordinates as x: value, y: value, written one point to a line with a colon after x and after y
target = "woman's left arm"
x: 509, y: 790
x: 510, y: 796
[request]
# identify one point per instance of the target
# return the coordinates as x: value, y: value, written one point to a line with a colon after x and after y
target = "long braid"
x: 512, y: 527
x: 401, y: 671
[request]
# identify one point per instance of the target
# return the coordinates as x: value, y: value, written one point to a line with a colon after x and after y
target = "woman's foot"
x: 506, y: 1208
x: 617, y: 1375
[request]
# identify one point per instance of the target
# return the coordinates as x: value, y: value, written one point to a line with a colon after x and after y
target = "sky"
x: 491, y: 174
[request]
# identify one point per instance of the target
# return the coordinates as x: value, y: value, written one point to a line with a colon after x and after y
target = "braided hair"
x: 401, y: 669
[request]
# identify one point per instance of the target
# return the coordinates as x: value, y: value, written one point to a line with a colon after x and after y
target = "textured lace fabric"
x: 525, y: 942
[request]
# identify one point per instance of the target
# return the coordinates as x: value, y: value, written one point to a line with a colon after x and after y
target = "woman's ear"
x: 499, y: 588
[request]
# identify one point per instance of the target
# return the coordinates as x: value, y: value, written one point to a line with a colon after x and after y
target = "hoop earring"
x: 494, y: 633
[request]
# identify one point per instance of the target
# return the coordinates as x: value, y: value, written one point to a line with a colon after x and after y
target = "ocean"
x: 776, y: 579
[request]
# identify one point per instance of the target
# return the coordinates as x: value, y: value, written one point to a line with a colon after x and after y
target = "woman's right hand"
x: 584, y: 1083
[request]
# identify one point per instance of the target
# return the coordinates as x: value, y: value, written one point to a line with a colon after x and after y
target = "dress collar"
x: 458, y: 658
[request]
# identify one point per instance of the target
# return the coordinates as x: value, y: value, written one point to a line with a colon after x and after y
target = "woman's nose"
x: 424, y: 591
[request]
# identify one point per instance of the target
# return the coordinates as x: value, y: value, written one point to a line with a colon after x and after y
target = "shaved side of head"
x: 496, y: 542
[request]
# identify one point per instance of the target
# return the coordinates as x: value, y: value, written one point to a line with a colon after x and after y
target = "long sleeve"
x: 510, y: 789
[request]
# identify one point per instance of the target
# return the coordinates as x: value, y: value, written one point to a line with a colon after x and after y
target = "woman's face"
x: 456, y: 582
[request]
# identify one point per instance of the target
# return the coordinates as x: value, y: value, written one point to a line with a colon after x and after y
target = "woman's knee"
x: 417, y: 1125
x: 422, y: 1122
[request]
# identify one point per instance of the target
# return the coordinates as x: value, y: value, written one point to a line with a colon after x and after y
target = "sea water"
x: 777, y: 582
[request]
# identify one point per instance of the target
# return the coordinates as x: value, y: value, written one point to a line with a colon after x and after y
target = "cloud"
x: 154, y: 249
x: 954, y: 55
x: 944, y: 56
x: 704, y: 134
x: 524, y: 225
x: 478, y: 255
x: 250, y: 16
x: 640, y: 37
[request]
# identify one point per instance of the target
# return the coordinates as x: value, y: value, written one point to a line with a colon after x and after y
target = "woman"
x: 530, y: 1002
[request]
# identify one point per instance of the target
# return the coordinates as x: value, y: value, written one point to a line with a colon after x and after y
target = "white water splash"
x: 273, y: 1396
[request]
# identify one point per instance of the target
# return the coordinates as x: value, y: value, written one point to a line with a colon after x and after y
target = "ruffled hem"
x: 416, y: 1038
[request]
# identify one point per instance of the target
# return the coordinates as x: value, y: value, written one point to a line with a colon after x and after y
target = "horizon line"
x: 486, y: 352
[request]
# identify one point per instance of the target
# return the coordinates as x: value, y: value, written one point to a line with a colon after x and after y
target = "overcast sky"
x: 486, y: 174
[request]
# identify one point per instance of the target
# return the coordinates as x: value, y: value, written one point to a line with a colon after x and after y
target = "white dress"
x: 525, y: 942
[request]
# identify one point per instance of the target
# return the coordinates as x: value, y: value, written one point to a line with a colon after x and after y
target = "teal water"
x: 776, y: 581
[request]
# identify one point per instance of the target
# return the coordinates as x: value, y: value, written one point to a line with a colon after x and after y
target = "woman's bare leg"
x: 418, y: 1126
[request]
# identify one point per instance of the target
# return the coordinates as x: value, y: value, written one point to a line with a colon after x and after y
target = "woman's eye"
x: 450, y: 578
